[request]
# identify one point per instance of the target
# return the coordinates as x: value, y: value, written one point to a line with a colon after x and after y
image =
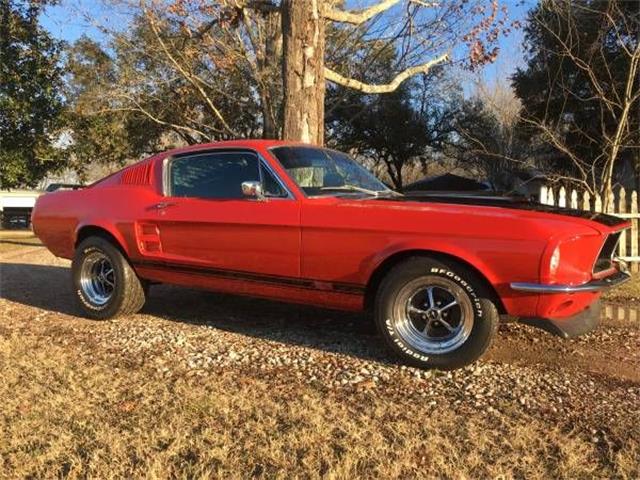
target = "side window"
x: 270, y: 186
x: 213, y: 175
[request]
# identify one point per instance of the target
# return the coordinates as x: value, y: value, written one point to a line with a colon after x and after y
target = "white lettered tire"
x: 435, y: 313
x: 104, y: 282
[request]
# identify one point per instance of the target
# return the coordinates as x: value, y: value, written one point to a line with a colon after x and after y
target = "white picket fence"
x: 621, y: 204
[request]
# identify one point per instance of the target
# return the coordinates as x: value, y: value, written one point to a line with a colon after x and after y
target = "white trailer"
x: 16, y: 207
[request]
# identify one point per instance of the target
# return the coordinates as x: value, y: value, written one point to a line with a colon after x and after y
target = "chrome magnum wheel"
x: 435, y: 315
x: 97, y: 278
x: 105, y: 284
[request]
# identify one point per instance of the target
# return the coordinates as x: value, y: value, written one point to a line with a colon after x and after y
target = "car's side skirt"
x: 340, y: 295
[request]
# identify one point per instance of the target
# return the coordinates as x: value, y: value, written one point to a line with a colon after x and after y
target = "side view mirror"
x: 252, y: 189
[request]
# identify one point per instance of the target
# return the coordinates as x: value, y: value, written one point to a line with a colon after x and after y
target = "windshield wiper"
x: 355, y: 188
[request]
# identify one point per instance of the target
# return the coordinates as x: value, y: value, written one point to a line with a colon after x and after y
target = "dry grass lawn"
x: 70, y: 411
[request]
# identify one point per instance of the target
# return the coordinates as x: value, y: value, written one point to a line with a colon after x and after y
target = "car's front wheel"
x: 104, y: 282
x: 435, y: 314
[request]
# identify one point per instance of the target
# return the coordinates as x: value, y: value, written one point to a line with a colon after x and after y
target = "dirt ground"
x: 200, y: 385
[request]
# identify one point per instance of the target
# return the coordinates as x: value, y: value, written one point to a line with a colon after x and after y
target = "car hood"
x: 600, y: 221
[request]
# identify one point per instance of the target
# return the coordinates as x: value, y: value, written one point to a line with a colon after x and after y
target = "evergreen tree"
x: 30, y: 100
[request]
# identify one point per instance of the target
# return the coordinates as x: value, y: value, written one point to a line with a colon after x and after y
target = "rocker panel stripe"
x: 304, y: 283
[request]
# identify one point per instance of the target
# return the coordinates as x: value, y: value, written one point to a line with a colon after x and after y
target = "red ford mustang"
x: 309, y: 225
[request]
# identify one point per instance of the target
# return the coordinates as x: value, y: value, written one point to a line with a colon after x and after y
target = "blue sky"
x: 66, y: 20
x: 70, y: 19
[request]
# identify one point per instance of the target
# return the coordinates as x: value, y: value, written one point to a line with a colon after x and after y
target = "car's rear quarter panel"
x: 60, y: 216
x: 55, y: 218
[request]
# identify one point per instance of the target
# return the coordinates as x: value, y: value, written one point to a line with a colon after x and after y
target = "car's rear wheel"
x: 105, y: 284
x: 435, y: 314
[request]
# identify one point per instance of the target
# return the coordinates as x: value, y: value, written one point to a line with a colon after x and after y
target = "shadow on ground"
x: 49, y: 288
x: 31, y: 243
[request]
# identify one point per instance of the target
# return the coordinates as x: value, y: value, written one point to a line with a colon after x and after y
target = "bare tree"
x: 231, y: 58
x: 402, y: 131
x: 582, y: 86
x: 201, y: 70
x: 488, y: 136
x: 424, y: 33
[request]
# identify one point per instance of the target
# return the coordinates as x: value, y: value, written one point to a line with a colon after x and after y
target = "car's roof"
x: 246, y: 143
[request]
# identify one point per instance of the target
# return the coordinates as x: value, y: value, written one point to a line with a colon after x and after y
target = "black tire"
x: 396, y: 316
x: 128, y: 294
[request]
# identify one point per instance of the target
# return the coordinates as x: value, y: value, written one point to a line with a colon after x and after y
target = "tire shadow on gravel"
x: 48, y: 287
x: 328, y: 330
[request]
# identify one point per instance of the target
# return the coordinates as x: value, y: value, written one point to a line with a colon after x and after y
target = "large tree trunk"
x: 303, y: 70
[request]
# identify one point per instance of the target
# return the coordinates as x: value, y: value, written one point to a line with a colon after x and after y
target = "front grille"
x: 606, y: 253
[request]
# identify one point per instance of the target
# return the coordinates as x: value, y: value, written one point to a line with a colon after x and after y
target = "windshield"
x: 320, y: 171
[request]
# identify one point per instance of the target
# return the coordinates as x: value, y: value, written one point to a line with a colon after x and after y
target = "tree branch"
x: 335, y: 77
x: 187, y: 75
x: 265, y: 6
x: 360, y: 16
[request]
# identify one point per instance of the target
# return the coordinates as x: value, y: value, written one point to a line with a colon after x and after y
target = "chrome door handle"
x: 163, y: 205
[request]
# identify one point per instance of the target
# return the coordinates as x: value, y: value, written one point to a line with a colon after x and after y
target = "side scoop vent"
x: 137, y: 174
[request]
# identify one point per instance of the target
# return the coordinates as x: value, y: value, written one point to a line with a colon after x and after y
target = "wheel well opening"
x: 382, y: 269
x: 94, y: 231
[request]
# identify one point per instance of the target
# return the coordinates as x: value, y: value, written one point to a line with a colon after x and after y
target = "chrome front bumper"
x: 617, y: 278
